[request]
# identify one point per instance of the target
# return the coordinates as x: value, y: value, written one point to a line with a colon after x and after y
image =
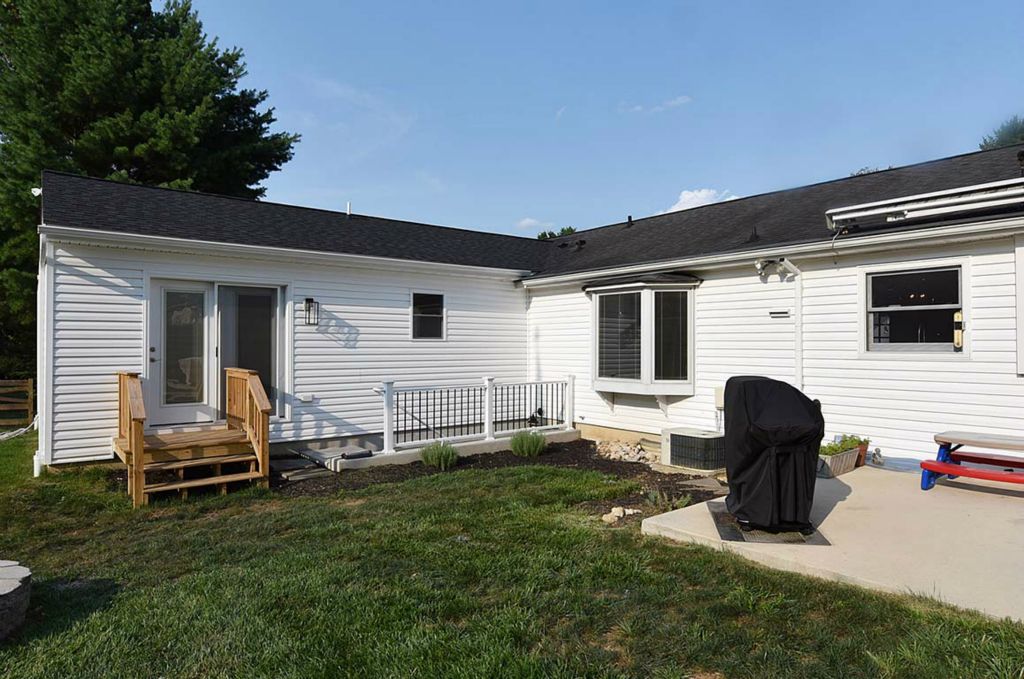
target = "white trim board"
x: 885, y: 242
x: 243, y: 251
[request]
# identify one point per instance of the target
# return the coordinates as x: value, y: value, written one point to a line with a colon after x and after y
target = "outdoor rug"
x: 730, y: 531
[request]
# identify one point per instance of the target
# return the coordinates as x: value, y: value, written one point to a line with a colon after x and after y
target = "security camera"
x: 36, y: 191
x: 759, y: 266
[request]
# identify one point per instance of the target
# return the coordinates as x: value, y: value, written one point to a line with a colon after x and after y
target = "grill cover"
x: 772, y: 436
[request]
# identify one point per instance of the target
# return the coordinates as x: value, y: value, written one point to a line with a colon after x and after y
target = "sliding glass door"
x: 248, y: 333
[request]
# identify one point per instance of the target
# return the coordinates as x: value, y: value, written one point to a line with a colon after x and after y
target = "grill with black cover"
x: 772, y: 436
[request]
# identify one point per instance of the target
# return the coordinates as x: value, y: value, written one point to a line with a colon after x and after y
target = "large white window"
x: 915, y: 310
x: 643, y: 340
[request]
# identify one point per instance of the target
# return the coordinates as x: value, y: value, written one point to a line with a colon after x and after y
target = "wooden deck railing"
x: 248, y: 408
x: 16, y: 396
x: 131, y: 420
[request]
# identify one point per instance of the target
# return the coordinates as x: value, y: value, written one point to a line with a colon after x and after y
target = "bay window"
x: 643, y: 337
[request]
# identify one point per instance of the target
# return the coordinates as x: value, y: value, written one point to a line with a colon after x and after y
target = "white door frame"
x: 158, y: 413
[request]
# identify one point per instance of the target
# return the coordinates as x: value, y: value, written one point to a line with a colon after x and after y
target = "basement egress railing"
x: 414, y: 416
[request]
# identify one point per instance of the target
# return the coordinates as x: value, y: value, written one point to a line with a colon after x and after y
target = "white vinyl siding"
x: 363, y: 338
x: 733, y: 334
x: 97, y: 312
x: 899, y: 401
x: 97, y: 330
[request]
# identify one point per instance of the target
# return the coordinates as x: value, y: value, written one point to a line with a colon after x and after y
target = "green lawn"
x: 473, y: 573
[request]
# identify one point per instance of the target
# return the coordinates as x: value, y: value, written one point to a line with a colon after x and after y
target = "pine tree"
x: 114, y: 89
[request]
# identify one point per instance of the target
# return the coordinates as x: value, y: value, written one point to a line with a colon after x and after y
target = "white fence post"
x: 488, y: 408
x: 389, y: 416
x: 570, y: 399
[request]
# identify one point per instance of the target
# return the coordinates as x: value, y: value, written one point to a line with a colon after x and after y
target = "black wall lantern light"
x: 312, y: 311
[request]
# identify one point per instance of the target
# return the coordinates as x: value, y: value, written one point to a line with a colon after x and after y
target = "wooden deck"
x: 212, y: 456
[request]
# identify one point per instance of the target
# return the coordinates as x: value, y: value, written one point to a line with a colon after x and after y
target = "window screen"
x: 427, y: 316
x: 619, y: 336
x: 670, y: 320
x: 913, y: 309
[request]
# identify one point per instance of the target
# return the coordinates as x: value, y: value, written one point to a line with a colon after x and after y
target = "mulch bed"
x: 658, y: 490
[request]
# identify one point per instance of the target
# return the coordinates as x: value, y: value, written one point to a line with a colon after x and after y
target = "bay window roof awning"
x: 651, y: 279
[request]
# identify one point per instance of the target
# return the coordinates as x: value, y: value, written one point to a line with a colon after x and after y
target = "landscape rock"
x: 15, y: 587
x: 618, y: 512
x: 627, y: 452
x: 610, y: 518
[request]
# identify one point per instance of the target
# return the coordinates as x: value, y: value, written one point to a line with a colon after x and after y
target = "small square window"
x: 427, y: 316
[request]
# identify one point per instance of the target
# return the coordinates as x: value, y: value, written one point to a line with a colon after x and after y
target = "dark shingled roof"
x: 780, y: 218
x: 86, y: 203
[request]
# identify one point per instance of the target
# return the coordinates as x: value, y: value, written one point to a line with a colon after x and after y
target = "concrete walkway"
x: 961, y: 542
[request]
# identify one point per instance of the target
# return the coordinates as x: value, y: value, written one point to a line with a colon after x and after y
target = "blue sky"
x: 514, y: 116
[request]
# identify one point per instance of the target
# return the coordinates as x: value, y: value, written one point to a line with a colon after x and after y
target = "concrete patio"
x: 960, y: 542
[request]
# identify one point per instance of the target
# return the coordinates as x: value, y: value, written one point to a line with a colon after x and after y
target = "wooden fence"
x: 16, y: 400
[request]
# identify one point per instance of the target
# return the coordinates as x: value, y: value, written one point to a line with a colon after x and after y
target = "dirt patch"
x: 659, y: 492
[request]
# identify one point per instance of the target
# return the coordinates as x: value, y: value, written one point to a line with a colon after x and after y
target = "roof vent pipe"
x: 348, y: 208
x: 629, y: 221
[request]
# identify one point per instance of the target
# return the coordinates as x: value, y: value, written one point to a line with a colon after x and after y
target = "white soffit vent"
x: 951, y: 201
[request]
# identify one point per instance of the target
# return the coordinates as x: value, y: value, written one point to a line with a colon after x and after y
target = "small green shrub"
x: 440, y: 454
x: 663, y: 502
x: 845, y: 442
x: 528, y: 444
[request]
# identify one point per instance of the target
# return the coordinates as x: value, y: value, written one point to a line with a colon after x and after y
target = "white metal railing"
x: 417, y: 415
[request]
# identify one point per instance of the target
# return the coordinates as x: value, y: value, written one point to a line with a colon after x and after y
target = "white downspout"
x: 798, y: 324
x: 43, y: 357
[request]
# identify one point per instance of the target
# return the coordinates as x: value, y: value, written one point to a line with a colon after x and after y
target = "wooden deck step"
x: 194, y: 439
x: 197, y: 483
x: 200, y: 462
x: 187, y: 445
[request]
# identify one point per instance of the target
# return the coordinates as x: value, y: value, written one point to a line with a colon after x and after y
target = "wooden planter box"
x: 840, y: 463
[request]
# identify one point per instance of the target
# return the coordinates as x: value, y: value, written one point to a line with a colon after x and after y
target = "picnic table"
x: 950, y: 459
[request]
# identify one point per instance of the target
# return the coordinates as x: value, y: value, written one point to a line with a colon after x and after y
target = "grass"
x: 472, y: 573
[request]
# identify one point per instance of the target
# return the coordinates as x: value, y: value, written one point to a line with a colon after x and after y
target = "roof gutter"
x: 189, y: 246
x: 939, y: 235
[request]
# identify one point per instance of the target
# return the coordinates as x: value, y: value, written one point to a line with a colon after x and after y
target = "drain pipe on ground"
x: 798, y: 320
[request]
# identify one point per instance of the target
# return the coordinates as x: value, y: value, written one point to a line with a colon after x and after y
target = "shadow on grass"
x: 58, y: 604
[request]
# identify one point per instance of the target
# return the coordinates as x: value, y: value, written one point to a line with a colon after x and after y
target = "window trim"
x: 646, y: 384
x: 927, y: 351
x: 412, y: 315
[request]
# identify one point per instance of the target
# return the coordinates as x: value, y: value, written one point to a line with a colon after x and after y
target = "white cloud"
x: 531, y: 224
x: 674, y: 102
x: 559, y: 112
x: 697, y: 197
